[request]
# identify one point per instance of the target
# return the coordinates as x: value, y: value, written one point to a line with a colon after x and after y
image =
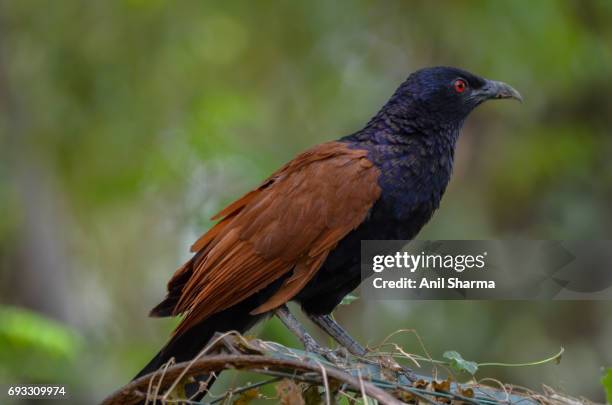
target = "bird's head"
x: 447, y: 94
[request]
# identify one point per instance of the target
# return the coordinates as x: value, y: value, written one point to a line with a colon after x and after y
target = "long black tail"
x: 187, y: 345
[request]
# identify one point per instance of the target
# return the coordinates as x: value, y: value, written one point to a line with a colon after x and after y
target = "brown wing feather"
x: 290, y: 223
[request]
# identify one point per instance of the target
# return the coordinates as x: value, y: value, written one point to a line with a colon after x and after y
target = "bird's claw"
x: 328, y: 354
x: 390, y: 364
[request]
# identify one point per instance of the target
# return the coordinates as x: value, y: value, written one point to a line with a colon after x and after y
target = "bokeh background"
x: 126, y: 124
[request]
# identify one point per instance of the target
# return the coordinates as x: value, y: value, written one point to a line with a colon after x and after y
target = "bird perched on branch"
x: 297, y: 236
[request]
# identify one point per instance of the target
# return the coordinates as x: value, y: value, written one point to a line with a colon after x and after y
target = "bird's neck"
x: 407, y: 119
x: 398, y: 134
x: 411, y: 155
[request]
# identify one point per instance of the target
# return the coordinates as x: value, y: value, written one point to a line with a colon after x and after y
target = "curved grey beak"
x: 494, y: 89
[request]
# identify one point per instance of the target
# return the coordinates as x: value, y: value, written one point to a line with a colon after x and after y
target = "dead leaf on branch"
x: 247, y: 396
x: 289, y: 393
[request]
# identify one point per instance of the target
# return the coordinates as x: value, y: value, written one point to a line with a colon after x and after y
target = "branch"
x: 356, y: 378
x: 137, y: 389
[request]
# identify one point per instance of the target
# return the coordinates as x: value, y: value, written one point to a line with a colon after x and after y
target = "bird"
x: 296, y: 237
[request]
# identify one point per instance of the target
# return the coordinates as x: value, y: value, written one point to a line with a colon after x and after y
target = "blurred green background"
x: 126, y: 124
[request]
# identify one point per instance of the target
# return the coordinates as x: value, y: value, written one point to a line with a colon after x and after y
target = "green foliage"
x: 458, y: 363
x: 349, y: 299
x: 606, y: 382
x: 29, y: 342
x: 27, y: 330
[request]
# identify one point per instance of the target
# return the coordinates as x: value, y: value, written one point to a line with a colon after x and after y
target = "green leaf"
x: 349, y: 299
x: 21, y: 329
x: 606, y: 381
x: 457, y: 362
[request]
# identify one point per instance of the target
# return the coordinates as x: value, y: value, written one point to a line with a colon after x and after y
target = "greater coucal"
x: 297, y: 236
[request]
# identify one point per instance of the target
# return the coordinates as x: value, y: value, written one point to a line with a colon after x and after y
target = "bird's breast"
x: 414, y: 173
x: 414, y: 187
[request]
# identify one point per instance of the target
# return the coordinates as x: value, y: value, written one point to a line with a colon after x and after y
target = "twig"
x: 362, y: 388
x: 249, y: 387
x: 325, y: 383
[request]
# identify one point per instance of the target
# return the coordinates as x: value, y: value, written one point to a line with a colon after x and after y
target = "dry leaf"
x: 421, y: 384
x: 312, y: 396
x: 404, y: 396
x: 289, y: 393
x: 467, y: 392
x: 442, y: 386
x: 247, y: 396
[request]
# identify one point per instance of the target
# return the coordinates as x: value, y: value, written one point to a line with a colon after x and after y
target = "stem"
x: 556, y: 357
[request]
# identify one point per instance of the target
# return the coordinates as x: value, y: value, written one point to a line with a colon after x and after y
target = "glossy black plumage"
x: 382, y: 182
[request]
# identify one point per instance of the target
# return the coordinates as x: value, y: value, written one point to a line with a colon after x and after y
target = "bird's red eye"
x: 460, y: 85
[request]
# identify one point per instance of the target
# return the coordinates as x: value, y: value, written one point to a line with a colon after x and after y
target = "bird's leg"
x: 333, y: 329
x: 340, y: 335
x: 296, y: 328
x: 310, y: 344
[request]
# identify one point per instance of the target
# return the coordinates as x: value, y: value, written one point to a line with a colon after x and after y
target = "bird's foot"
x: 311, y: 346
x: 389, y: 363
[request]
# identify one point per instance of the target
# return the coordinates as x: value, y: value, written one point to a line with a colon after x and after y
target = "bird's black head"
x: 446, y: 95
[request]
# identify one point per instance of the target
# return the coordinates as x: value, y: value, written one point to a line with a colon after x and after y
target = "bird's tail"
x: 187, y: 345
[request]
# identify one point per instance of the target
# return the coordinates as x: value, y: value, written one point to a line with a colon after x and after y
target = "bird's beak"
x: 494, y: 89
